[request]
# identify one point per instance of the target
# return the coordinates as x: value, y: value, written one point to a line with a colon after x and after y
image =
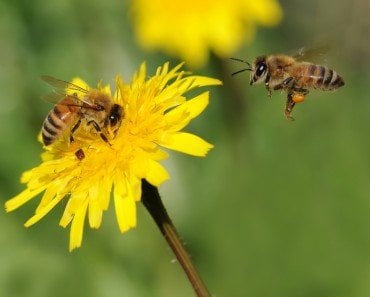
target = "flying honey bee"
x: 291, y: 74
x: 93, y: 108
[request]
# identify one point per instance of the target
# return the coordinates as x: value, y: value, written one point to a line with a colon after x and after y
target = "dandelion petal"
x: 22, y: 198
x: 125, y: 206
x: 77, y: 227
x: 156, y: 174
x: 192, y: 108
x: 95, y: 214
x: 187, y: 143
x: 43, y: 211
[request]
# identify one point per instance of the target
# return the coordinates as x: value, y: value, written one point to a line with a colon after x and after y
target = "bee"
x: 76, y: 105
x: 293, y: 75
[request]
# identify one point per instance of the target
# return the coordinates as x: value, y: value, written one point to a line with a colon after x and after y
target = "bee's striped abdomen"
x: 324, y: 78
x: 59, y: 118
x: 332, y: 80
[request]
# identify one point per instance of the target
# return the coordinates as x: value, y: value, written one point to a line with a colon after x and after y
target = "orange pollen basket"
x: 297, y: 98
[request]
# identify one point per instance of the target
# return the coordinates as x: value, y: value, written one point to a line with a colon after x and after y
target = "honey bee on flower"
x: 92, y: 108
x: 111, y: 148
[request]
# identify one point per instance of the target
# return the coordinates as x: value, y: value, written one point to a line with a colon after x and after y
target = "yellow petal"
x: 202, y: 81
x: 135, y: 187
x: 125, y: 206
x: 196, y: 105
x: 48, y: 196
x: 105, y: 89
x: 156, y: 174
x: 74, y: 204
x: 101, y: 190
x: 158, y: 154
x: 77, y: 227
x: 187, y: 143
x: 54, y: 188
x: 95, y: 213
x: 67, y: 216
x: 22, y: 198
x: 43, y: 211
x: 190, y: 82
x: 266, y: 12
x: 191, y: 109
x: 141, y: 75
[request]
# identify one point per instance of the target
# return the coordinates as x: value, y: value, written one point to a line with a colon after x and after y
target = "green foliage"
x: 278, y: 208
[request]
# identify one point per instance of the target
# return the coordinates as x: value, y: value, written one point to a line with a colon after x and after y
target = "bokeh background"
x: 278, y: 208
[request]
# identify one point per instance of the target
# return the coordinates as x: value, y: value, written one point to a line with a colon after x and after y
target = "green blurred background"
x: 278, y: 208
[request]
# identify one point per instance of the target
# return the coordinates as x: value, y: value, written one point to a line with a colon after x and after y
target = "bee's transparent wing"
x: 317, y: 53
x: 62, y: 88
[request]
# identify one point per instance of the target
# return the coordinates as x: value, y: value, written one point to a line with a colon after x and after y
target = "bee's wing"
x: 52, y: 97
x: 62, y: 89
x: 56, y: 98
x: 312, y: 54
x: 62, y: 86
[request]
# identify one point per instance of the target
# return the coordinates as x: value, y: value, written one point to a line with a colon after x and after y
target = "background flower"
x: 191, y: 29
x: 154, y: 112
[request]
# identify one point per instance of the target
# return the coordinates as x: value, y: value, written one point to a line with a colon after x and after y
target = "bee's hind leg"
x: 295, y: 95
x: 289, y: 105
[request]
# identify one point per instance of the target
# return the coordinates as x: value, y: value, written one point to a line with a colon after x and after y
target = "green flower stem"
x: 153, y: 203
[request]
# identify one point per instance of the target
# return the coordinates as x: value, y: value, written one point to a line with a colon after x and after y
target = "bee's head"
x: 259, y: 70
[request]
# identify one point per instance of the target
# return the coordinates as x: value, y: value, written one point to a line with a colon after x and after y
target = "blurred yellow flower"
x: 189, y: 29
x: 155, y: 111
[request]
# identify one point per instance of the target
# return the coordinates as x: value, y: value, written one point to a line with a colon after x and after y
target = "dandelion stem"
x: 153, y: 203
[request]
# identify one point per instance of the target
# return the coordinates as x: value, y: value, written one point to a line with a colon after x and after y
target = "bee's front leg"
x: 99, y: 131
x: 269, y: 91
x: 267, y: 85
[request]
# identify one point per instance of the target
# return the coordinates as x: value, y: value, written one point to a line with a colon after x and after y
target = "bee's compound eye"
x: 261, y: 68
x: 113, y: 120
x: 115, y: 115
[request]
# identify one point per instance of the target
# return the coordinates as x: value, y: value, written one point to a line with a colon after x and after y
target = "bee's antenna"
x: 242, y: 70
x: 243, y: 61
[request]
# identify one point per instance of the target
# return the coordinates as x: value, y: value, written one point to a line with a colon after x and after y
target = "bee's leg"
x: 295, y: 95
x: 269, y: 92
x: 289, y: 105
x: 267, y: 85
x: 287, y: 83
x: 100, y: 132
x: 75, y: 127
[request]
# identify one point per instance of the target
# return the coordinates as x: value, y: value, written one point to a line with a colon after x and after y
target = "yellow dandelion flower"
x: 190, y: 29
x: 87, y: 170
